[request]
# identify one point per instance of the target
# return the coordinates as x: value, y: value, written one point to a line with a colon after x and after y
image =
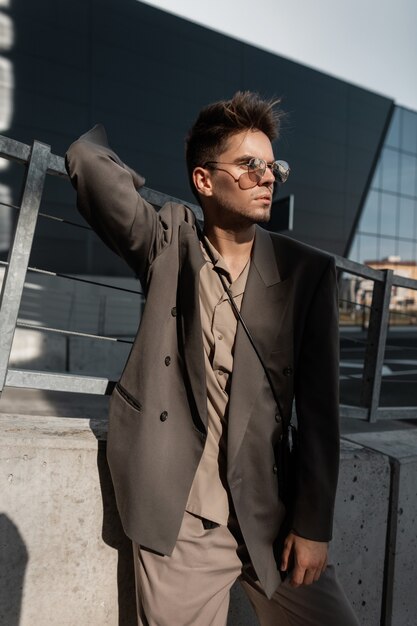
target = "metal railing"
x: 39, y: 162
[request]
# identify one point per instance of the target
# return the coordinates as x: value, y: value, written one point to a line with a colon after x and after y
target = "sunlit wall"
x: 6, y: 112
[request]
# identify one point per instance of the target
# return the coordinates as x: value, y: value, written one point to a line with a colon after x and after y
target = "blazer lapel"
x: 191, y: 261
x: 263, y: 308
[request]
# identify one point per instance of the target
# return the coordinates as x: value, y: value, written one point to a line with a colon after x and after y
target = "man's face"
x: 234, y: 200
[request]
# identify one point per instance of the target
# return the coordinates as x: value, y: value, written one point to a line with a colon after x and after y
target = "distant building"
x: 401, y: 297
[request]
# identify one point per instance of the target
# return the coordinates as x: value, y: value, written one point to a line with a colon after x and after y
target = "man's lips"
x: 265, y: 196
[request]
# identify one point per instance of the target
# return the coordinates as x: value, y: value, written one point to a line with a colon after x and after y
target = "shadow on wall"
x: 13, y: 561
x: 114, y: 536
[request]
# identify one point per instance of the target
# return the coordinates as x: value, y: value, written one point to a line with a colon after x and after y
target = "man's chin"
x: 264, y: 217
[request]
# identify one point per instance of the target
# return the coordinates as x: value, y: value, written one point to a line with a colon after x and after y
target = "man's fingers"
x: 310, y: 576
x: 297, y: 576
x: 317, y: 574
x: 285, y: 556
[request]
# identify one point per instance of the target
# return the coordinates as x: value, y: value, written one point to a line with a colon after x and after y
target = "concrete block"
x: 61, y: 535
x: 400, y: 591
x: 360, y: 528
x: 65, y: 559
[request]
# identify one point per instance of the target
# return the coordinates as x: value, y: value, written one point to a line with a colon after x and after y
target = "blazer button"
x: 167, y: 360
x: 174, y: 311
x: 287, y: 371
x: 275, y: 469
x: 163, y: 416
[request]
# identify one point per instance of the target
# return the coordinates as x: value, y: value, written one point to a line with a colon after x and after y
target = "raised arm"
x: 107, y: 197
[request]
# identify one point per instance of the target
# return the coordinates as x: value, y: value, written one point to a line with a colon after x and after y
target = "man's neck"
x: 234, y: 247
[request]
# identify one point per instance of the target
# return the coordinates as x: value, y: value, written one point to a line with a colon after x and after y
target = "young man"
x: 194, y: 423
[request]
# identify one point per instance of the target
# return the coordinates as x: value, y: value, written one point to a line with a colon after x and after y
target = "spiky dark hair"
x: 217, y: 122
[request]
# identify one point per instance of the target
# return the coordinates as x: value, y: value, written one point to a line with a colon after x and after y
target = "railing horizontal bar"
x: 158, y: 198
x: 14, y: 150
x: 56, y: 166
x: 356, y: 412
x: 351, y: 267
x: 36, y: 270
x: 396, y: 412
x: 403, y: 281
x: 59, y: 382
x: 71, y: 333
x: 10, y: 206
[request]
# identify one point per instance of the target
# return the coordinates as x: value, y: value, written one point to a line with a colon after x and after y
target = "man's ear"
x: 202, y: 181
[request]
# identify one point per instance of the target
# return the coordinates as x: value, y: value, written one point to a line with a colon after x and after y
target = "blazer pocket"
x: 127, y: 397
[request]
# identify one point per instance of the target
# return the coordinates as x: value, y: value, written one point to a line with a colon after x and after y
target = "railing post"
x: 375, y: 346
x: 15, y: 274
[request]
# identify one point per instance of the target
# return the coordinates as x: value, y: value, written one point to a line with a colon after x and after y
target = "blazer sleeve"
x: 107, y: 198
x: 317, y: 407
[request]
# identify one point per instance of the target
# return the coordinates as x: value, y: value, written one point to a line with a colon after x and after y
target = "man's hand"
x: 307, y: 558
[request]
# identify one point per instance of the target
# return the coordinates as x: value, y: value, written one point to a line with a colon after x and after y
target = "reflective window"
x: 390, y: 169
x: 369, y: 219
x: 408, y: 175
x: 407, y: 218
x: 406, y: 250
x: 409, y: 131
x: 354, y: 252
x: 368, y: 250
x: 393, y: 135
x: 376, y: 181
x: 387, y: 247
x: 388, y: 219
x: 388, y: 224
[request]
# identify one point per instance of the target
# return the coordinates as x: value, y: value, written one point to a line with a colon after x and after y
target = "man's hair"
x: 217, y: 122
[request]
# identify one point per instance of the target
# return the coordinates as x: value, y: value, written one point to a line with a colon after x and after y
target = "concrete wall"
x: 400, y: 447
x: 64, y: 559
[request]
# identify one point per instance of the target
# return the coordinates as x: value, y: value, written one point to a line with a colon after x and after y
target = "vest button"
x: 167, y: 360
x: 174, y: 311
x: 277, y: 417
x: 287, y: 371
x: 163, y: 416
x: 275, y: 469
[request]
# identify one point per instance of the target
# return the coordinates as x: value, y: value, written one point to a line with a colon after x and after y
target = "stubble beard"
x: 234, y: 217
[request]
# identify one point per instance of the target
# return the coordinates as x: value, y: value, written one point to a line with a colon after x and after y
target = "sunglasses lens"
x: 281, y: 170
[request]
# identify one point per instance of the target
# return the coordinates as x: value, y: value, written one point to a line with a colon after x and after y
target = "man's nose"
x: 268, y: 178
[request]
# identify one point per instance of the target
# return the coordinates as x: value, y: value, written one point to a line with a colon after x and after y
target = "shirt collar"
x: 219, y: 265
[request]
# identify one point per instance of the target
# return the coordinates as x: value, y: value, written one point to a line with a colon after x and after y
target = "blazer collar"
x: 265, y: 309
x: 264, y: 258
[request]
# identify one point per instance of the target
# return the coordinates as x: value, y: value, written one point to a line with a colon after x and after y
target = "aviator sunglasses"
x: 256, y: 169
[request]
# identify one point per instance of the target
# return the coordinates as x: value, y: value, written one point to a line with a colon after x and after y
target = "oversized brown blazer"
x: 158, y: 411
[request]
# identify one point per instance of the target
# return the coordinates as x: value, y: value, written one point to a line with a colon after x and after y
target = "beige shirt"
x: 208, y: 496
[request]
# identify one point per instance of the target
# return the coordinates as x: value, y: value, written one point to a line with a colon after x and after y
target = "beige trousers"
x: 191, y: 587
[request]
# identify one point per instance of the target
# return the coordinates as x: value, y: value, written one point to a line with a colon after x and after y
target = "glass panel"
x: 406, y: 250
x: 369, y: 220
x: 409, y: 131
x: 376, y: 181
x: 393, y: 135
x: 387, y: 247
x: 408, y: 218
x: 367, y: 248
x: 354, y: 250
x: 408, y: 175
x: 390, y: 169
x: 388, y: 215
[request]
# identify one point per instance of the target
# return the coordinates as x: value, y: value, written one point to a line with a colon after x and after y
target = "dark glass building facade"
x: 387, y: 225
x: 145, y: 74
